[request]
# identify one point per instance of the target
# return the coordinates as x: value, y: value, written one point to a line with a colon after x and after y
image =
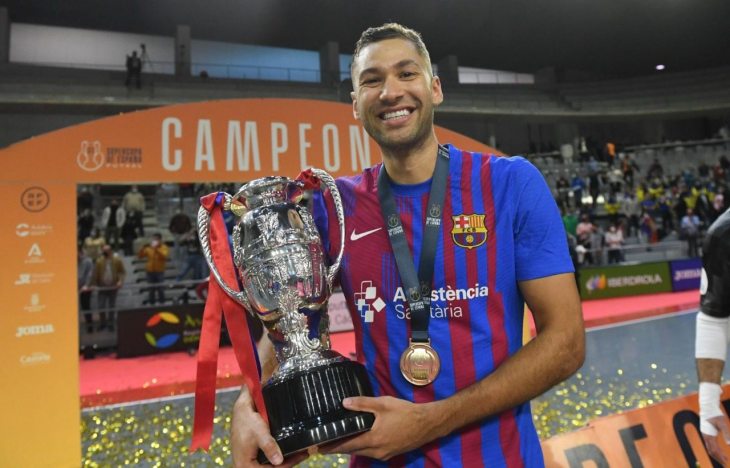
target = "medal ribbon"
x: 217, y: 304
x: 418, y: 287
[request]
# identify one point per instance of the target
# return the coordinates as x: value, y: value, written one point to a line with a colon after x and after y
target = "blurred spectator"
x: 85, y: 276
x: 612, y: 207
x: 570, y: 221
x: 655, y: 170
x: 703, y: 170
x: 562, y: 186
x: 180, y: 224
x: 156, y: 253
x: 614, y: 239
x: 112, y: 219
x: 690, y: 231
x: 131, y: 230
x: 134, y: 70
x: 94, y: 243
x: 194, y: 260
x: 109, y: 274
x: 84, y: 200
x: 584, y: 235
x: 577, y: 184
x: 647, y: 227
x: 631, y: 209
x: 628, y: 167
x: 85, y: 224
x: 134, y: 200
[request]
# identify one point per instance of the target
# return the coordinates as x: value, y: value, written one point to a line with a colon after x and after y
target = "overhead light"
x: 660, y: 67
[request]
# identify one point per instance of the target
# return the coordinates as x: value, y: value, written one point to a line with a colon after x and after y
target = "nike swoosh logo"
x: 355, y: 236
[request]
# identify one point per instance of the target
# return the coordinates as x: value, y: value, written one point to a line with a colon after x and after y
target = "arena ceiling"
x: 610, y: 37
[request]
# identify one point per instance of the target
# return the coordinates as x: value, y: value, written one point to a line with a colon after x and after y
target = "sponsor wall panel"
x: 664, y: 434
x: 39, y: 323
x: 686, y: 274
x: 624, y: 280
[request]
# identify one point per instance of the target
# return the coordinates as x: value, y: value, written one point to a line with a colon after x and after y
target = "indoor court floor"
x: 628, y: 365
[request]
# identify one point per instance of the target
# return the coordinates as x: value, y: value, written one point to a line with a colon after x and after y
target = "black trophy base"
x: 306, y: 409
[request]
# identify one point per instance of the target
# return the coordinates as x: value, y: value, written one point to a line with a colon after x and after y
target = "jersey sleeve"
x: 541, y: 246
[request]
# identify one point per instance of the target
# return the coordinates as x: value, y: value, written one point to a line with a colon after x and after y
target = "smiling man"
x: 444, y: 247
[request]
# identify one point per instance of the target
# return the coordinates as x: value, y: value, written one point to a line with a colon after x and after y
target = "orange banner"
x: 666, y: 434
x: 226, y: 141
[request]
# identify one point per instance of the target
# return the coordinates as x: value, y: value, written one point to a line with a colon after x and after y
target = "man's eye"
x: 408, y: 74
x: 369, y: 81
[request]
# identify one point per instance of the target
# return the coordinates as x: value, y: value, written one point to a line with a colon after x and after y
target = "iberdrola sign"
x: 624, y: 280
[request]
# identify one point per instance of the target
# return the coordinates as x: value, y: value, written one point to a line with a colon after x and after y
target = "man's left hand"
x: 400, y: 426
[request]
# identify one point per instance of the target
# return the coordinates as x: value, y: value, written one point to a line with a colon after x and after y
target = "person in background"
x: 614, y: 239
x: 194, y: 260
x: 134, y: 70
x: 134, y: 200
x: 131, y: 230
x: 584, y: 235
x: 156, y: 253
x: 94, y: 243
x: 711, y: 336
x: 85, y: 276
x: 109, y: 274
x: 112, y: 220
x: 85, y: 224
x: 690, y: 230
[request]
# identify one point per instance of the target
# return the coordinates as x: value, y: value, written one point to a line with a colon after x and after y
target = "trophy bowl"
x: 280, y: 262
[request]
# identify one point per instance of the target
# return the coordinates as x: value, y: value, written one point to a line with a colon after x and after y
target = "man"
x: 109, y: 274
x: 690, y: 229
x: 712, y: 333
x: 134, y: 70
x: 156, y: 253
x: 476, y: 410
x: 85, y: 274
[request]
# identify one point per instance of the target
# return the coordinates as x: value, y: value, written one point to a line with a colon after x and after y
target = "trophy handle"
x: 203, y: 235
x: 329, y: 182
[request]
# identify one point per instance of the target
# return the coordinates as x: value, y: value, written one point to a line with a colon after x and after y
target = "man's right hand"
x: 249, y: 433
x: 712, y: 442
x: 713, y: 423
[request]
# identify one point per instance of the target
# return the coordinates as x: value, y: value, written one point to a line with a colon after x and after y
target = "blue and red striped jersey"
x: 500, y: 225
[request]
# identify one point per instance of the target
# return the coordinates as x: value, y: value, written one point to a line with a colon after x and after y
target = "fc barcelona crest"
x: 469, y: 231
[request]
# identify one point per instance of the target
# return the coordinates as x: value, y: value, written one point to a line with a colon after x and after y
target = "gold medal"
x: 420, y: 363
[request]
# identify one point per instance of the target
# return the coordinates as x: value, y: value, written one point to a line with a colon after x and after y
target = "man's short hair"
x: 391, y: 31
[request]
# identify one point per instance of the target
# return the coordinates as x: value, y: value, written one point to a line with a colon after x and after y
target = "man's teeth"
x: 396, y: 114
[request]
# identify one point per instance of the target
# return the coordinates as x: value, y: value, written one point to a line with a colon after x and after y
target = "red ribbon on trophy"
x: 217, y: 304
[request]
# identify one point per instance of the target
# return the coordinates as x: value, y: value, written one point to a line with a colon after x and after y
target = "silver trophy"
x: 286, y: 283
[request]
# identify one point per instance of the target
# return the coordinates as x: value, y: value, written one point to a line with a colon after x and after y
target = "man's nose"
x: 392, y: 90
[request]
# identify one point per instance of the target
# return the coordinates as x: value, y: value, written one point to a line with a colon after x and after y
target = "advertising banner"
x: 686, y: 274
x: 624, y: 280
x: 152, y: 330
x: 664, y: 434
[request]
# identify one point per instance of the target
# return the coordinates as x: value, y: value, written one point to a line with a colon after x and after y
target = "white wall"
x: 484, y: 76
x: 85, y: 48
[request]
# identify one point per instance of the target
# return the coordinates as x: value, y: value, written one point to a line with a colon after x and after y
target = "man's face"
x: 394, y: 94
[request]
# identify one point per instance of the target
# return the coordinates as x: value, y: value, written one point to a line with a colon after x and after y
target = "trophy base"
x: 306, y: 409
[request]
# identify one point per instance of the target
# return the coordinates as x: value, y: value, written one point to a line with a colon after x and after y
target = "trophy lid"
x: 268, y: 190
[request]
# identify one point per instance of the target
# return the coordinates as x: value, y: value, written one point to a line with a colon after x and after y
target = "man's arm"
x: 710, y: 350
x: 556, y: 352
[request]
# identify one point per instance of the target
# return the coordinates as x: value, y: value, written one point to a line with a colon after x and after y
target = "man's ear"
x: 436, y: 91
x: 353, y: 96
